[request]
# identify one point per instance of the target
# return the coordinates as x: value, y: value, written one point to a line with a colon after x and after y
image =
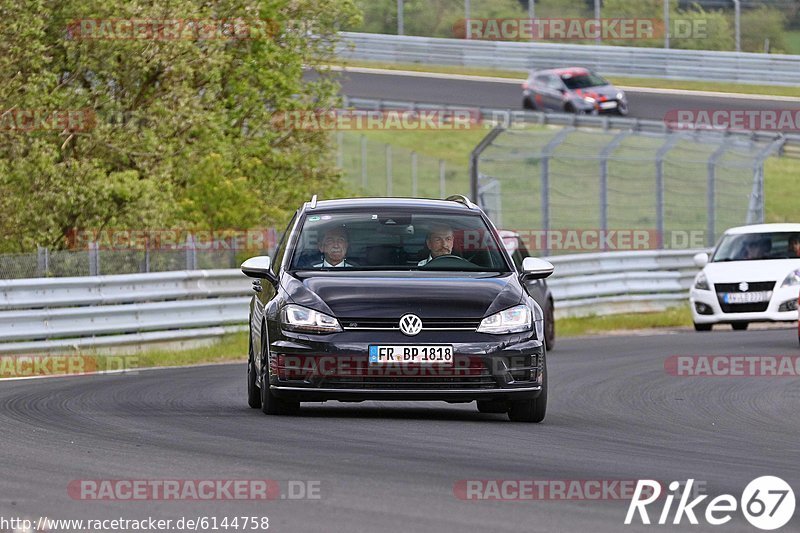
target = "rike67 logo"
x: 767, y: 502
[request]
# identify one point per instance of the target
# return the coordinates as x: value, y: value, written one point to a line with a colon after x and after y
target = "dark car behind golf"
x: 572, y: 90
x: 396, y: 323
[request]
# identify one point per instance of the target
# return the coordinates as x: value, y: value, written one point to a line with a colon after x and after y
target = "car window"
x: 280, y: 249
x: 582, y: 81
x: 542, y: 79
x: 554, y: 83
x: 758, y: 246
x: 396, y: 240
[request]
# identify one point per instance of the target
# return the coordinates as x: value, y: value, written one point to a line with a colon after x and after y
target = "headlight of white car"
x: 792, y: 279
x: 701, y: 283
x: 511, y: 320
x: 297, y: 318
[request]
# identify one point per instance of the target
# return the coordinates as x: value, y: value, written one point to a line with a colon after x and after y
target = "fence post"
x: 191, y: 253
x: 666, y: 24
x: 400, y: 20
x: 339, y: 149
x: 41, y: 261
x: 474, y: 159
x: 364, y: 162
x: 660, y: 155
x: 442, y: 193
x: 414, y: 174
x: 605, y: 153
x: 755, y: 209
x: 147, y: 253
x: 94, y: 259
x: 711, y: 194
x: 544, y: 164
x: 388, y: 169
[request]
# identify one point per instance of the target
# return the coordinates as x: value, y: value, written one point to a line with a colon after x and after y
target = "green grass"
x: 673, y: 317
x: 744, y: 88
x: 230, y: 348
x: 792, y: 39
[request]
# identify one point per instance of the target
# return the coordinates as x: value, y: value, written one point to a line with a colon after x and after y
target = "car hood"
x: 736, y: 271
x: 609, y: 91
x: 392, y: 295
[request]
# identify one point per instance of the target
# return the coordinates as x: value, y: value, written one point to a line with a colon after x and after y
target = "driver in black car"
x: 439, y: 242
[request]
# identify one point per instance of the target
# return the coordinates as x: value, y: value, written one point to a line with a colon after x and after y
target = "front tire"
x: 703, y: 327
x: 531, y: 410
x: 549, y: 326
x: 253, y: 394
x: 622, y: 109
x: 528, y: 103
x: 271, y: 404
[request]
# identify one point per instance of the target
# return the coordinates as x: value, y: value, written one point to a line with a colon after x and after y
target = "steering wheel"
x: 444, y: 259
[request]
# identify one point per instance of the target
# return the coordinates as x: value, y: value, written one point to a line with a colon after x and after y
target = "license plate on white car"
x: 412, y: 353
x: 746, y: 297
x: 608, y: 105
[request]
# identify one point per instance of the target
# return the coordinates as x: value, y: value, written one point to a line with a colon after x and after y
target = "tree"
x: 179, y: 129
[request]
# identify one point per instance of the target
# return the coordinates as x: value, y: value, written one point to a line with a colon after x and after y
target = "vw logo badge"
x: 743, y: 286
x: 410, y: 324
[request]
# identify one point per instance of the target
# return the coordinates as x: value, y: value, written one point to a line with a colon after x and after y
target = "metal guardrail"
x: 621, y: 282
x: 67, y: 314
x: 700, y: 65
x: 47, y: 314
x: 784, y: 143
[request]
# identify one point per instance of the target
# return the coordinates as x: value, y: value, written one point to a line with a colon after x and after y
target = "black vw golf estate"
x: 395, y: 299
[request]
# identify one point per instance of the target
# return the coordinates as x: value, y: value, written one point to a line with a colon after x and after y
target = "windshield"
x: 396, y: 240
x: 758, y: 246
x: 582, y: 81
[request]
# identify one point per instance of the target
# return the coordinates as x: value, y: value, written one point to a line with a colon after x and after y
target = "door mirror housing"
x: 701, y: 259
x: 260, y: 267
x: 535, y: 268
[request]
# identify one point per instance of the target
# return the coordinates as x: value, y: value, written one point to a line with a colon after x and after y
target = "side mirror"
x: 259, y: 267
x: 535, y: 268
x: 701, y: 259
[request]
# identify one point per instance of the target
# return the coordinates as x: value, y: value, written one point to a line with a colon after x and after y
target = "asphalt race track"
x: 647, y: 104
x: 614, y: 413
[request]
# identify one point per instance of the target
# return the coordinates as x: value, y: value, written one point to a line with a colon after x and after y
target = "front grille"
x: 753, y: 286
x: 357, y: 373
x: 758, y: 307
x: 394, y: 323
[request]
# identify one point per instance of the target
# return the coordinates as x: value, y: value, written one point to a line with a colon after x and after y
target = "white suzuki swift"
x: 753, y: 276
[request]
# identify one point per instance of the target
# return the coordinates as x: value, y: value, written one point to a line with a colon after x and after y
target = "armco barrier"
x: 49, y: 314
x: 101, y: 311
x: 698, y: 65
x: 621, y: 282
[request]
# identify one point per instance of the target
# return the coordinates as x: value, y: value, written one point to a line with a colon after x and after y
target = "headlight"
x: 296, y: 318
x: 589, y: 99
x: 620, y: 95
x: 701, y: 283
x: 792, y: 279
x: 511, y: 320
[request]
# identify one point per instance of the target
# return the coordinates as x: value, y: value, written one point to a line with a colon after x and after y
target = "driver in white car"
x: 439, y: 242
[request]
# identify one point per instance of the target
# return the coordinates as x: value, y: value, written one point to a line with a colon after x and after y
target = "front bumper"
x: 772, y: 313
x: 336, y: 367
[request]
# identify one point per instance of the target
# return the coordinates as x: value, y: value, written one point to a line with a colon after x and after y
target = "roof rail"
x: 460, y: 198
x: 313, y: 202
